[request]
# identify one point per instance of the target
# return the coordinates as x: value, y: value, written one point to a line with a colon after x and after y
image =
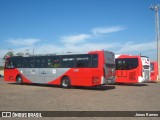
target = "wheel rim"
x: 65, y: 82
x: 19, y: 80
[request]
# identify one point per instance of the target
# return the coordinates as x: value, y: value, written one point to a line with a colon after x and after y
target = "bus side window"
x: 28, y: 62
x: 56, y: 62
x: 19, y: 63
x: 152, y: 67
x: 37, y: 62
x: 83, y: 61
x: 94, y: 61
x: 32, y: 64
x: 16, y: 63
x: 67, y: 61
x: 9, y: 64
x: 49, y: 62
x: 42, y: 62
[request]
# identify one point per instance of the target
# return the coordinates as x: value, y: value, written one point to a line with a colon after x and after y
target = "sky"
x: 56, y: 26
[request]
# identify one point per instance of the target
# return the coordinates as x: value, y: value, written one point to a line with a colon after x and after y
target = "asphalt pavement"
x: 133, y: 97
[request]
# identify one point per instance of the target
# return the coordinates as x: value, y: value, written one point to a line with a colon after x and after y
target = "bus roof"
x: 125, y: 55
x: 67, y: 53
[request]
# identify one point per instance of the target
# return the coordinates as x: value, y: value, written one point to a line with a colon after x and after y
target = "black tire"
x: 65, y: 82
x: 19, y: 80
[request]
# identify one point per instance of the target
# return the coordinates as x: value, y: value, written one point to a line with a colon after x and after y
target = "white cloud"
x: 86, y: 47
x: 79, y: 43
x: 137, y: 47
x: 132, y: 48
x: 81, y: 38
x: 106, y: 30
x: 73, y: 39
x: 52, y: 49
x: 23, y: 42
x: 147, y: 48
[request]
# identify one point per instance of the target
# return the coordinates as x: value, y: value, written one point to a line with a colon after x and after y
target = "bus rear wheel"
x: 19, y: 80
x: 65, y: 83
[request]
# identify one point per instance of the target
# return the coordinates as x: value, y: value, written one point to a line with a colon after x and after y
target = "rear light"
x: 95, y: 80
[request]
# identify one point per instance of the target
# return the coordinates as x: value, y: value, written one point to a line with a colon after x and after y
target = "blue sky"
x: 55, y: 26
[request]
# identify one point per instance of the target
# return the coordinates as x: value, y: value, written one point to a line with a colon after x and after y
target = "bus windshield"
x: 126, y: 63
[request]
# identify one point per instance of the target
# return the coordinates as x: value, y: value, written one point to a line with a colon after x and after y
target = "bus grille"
x: 146, y: 74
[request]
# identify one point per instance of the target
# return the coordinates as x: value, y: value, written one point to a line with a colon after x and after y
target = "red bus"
x: 82, y: 69
x: 154, y: 71
x: 132, y: 69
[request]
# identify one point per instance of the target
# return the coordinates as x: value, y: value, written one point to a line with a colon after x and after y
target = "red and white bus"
x: 132, y: 69
x: 154, y: 71
x: 82, y: 69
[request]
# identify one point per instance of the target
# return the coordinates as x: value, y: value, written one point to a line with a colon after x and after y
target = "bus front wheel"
x: 19, y: 80
x: 65, y: 83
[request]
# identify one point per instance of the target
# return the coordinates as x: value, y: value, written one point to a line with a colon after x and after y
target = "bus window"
x: 121, y: 64
x: 37, y: 62
x: 18, y: 62
x: 49, y: 62
x: 146, y: 66
x: 67, y: 61
x: 95, y: 61
x: 152, y: 67
x: 42, y: 62
x: 126, y: 63
x: 56, y: 61
x: 29, y: 63
x: 133, y: 63
x: 32, y: 64
x: 26, y: 63
x: 9, y: 64
x: 83, y: 61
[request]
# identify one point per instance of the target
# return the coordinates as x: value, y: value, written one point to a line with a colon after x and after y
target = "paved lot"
x: 138, y: 97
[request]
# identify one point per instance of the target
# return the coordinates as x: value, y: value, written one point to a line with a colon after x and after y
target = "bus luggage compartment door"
x: 36, y: 75
x: 40, y: 78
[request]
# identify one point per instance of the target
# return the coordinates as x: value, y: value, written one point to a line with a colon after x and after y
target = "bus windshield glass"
x: 126, y: 63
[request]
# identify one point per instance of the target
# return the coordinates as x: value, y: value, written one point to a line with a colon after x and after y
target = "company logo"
x: 6, y: 114
x: 147, y: 61
x: 21, y: 114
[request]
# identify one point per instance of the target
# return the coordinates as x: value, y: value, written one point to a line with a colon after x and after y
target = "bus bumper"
x: 111, y: 81
x: 107, y: 81
x: 141, y: 80
x: 103, y: 80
